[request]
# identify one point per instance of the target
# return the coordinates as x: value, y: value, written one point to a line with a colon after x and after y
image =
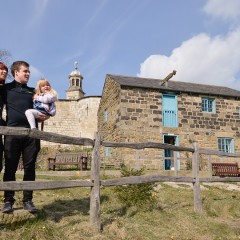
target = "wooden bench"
x: 64, y: 158
x: 107, y: 166
x: 225, y: 169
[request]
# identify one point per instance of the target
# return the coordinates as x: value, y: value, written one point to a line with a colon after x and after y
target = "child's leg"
x: 32, y: 115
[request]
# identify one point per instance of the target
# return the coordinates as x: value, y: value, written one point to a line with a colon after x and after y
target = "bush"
x: 135, y: 194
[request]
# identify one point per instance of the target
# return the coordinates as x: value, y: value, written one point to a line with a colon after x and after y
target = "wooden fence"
x: 95, y: 182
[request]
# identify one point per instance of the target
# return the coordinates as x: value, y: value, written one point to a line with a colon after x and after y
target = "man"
x: 18, y: 98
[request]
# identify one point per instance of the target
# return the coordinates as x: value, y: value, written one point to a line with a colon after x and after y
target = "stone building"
x: 77, y: 114
x: 147, y: 110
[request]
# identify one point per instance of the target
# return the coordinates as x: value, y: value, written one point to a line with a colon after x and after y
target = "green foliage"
x: 136, y: 194
x: 188, y: 164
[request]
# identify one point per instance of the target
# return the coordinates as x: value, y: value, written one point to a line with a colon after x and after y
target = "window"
x: 226, y: 145
x: 169, y: 110
x: 208, y: 105
x: 107, y: 152
x: 105, y: 116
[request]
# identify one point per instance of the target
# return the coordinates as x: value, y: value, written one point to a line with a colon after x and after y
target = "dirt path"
x: 226, y: 186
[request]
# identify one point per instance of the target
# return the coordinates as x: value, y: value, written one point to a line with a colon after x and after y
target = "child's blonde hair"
x: 43, y: 82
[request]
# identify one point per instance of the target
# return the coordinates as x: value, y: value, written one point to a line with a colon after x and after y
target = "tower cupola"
x: 75, y: 91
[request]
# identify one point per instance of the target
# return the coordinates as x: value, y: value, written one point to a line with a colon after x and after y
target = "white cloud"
x: 227, y: 10
x: 204, y: 59
x: 201, y: 59
x: 35, y: 73
x: 95, y: 14
x: 39, y: 8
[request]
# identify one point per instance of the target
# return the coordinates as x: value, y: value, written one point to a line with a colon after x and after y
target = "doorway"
x: 169, y: 154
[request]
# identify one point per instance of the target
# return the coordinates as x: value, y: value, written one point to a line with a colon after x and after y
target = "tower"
x: 75, y: 91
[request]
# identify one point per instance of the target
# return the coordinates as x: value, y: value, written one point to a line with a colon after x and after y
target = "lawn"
x: 64, y: 214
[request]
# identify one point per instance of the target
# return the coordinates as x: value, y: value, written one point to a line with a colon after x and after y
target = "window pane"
x: 225, y: 145
x: 105, y: 115
x: 210, y: 103
x: 107, y: 152
x: 228, y: 145
x: 207, y: 105
x: 220, y: 144
x: 204, y: 105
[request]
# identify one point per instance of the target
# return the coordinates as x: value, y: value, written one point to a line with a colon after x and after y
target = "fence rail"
x: 146, y: 145
x: 96, y: 182
x: 46, y: 136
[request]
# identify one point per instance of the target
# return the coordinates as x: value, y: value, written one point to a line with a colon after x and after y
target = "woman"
x: 3, y: 75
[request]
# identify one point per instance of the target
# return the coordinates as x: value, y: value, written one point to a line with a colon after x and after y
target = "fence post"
x: 95, y: 190
x: 196, y: 183
x: 137, y: 159
x: 210, y: 165
x: 175, y: 163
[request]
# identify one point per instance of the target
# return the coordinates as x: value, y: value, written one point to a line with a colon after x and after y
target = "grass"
x: 64, y: 214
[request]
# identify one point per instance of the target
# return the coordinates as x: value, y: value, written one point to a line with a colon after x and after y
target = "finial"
x: 75, y: 65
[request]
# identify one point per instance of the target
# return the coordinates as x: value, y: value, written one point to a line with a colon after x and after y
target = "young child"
x: 43, y: 101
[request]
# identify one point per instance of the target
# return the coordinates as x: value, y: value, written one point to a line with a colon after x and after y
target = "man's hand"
x: 35, y: 96
x: 43, y: 117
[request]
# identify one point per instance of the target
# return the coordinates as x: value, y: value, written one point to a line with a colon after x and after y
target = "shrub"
x: 135, y: 194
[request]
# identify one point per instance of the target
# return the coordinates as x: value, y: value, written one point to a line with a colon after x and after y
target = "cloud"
x: 39, y: 7
x: 201, y: 59
x: 71, y: 57
x: 226, y: 10
x: 95, y: 14
x: 35, y: 73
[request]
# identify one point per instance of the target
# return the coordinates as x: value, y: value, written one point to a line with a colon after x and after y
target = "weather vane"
x: 75, y: 65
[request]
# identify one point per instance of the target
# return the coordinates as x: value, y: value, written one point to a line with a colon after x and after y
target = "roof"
x: 174, y: 86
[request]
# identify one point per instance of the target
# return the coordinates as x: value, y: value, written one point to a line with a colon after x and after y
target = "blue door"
x: 169, y: 110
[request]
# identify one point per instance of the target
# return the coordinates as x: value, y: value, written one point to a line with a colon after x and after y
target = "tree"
x: 6, y: 57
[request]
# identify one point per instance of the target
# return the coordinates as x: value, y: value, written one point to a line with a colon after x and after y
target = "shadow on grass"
x: 13, y: 221
x: 54, y: 212
x: 60, y: 209
x: 63, y: 208
x: 120, y: 212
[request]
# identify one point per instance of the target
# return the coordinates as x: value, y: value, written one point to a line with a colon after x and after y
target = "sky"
x: 200, y: 39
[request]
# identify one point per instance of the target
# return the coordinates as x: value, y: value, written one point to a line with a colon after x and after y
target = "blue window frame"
x: 168, y: 154
x: 107, y: 152
x: 208, y: 105
x: 105, y: 115
x: 226, y: 145
x: 169, y: 110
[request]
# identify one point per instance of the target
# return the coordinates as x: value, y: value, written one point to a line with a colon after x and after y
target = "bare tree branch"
x: 6, y: 57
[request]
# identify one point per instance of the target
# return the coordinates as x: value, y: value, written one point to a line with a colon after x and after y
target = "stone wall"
x: 74, y: 118
x: 139, y: 122
x: 131, y: 118
x: 205, y: 128
x: 110, y: 101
